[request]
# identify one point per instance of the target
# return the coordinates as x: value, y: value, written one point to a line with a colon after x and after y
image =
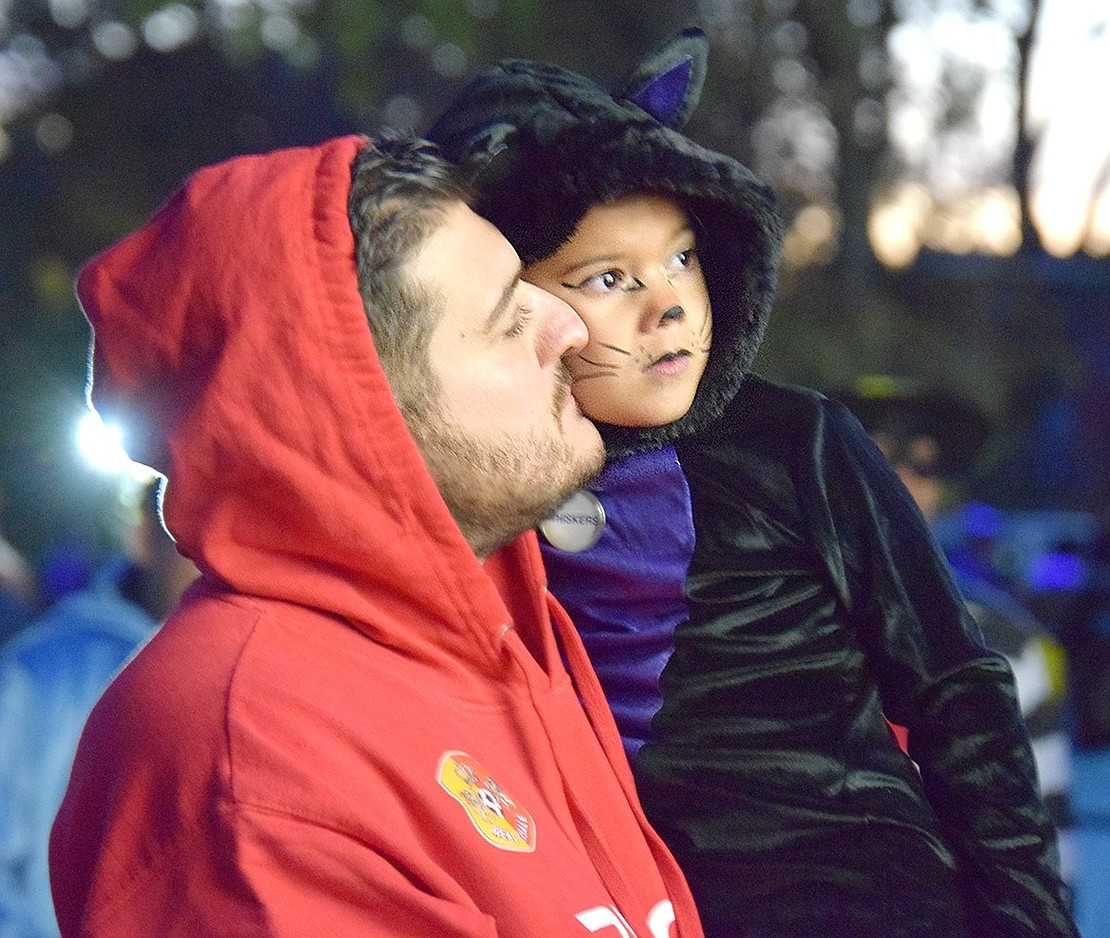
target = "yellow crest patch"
x: 497, y: 817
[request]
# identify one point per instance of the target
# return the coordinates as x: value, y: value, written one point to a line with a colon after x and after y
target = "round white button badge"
x: 576, y: 524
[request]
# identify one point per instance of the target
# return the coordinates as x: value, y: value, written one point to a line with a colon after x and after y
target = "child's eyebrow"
x: 682, y: 230
x: 602, y: 260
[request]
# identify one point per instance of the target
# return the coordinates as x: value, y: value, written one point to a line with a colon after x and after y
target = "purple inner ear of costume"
x: 664, y: 95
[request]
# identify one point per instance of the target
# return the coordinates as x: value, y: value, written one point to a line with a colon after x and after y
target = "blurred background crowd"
x: 944, y: 169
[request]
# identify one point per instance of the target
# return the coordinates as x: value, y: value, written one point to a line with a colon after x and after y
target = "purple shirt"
x: 625, y: 594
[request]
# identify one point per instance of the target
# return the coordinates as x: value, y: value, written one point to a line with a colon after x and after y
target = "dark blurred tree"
x: 798, y: 89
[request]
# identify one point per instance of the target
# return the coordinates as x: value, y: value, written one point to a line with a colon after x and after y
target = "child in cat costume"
x: 758, y: 593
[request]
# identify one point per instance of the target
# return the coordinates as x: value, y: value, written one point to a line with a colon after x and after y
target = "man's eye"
x: 523, y: 316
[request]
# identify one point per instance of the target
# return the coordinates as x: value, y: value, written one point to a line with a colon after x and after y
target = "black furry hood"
x: 543, y: 144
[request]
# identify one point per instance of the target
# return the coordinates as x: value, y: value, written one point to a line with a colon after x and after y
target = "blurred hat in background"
x: 905, y: 409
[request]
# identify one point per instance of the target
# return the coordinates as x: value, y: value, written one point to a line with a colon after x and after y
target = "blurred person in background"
x: 51, y: 675
x: 19, y: 594
x: 931, y: 438
x: 1085, y: 632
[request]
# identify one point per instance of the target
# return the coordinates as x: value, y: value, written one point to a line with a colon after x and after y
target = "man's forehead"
x: 469, y: 262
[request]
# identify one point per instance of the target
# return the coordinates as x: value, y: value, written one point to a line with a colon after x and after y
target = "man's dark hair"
x: 400, y: 190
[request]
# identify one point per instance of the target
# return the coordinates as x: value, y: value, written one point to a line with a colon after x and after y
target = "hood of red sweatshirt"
x: 230, y: 341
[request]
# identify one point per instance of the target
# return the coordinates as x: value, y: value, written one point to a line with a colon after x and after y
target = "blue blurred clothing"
x: 1086, y: 635
x: 51, y: 675
x: 14, y: 614
x: 1090, y: 795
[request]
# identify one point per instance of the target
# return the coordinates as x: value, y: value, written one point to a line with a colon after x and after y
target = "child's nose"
x: 673, y: 314
x: 663, y: 304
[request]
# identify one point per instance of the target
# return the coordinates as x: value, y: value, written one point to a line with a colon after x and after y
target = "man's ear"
x: 667, y: 82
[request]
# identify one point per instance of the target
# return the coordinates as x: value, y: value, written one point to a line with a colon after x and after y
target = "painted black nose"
x: 674, y: 314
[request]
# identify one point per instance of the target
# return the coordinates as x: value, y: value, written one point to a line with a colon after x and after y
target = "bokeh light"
x: 101, y: 445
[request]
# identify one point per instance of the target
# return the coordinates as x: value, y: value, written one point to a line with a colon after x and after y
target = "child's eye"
x: 605, y: 282
x: 685, y: 260
x: 523, y: 316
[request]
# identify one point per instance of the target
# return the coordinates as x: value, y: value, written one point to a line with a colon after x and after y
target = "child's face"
x: 631, y: 272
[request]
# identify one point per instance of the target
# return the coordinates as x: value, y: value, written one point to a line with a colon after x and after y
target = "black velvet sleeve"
x: 955, y: 697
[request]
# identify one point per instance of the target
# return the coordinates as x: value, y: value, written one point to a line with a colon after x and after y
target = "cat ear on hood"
x: 667, y: 82
x: 491, y: 155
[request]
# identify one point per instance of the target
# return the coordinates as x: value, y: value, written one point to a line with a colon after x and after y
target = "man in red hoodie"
x: 367, y: 717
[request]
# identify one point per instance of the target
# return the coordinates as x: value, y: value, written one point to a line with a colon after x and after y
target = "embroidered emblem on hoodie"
x: 498, y: 818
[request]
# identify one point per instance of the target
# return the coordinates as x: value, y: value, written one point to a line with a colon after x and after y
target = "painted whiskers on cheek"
x: 705, y: 334
x: 699, y: 341
x: 607, y: 369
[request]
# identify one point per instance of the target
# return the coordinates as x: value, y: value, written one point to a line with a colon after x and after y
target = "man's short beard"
x: 496, y: 490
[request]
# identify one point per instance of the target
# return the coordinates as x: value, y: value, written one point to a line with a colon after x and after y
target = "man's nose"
x: 561, y: 330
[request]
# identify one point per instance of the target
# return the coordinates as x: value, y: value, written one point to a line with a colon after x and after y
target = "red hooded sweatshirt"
x: 351, y: 726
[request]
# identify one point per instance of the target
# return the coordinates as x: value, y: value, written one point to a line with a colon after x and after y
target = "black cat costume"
x: 764, y: 594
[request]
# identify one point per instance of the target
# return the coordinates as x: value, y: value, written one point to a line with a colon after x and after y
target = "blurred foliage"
x: 796, y: 89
